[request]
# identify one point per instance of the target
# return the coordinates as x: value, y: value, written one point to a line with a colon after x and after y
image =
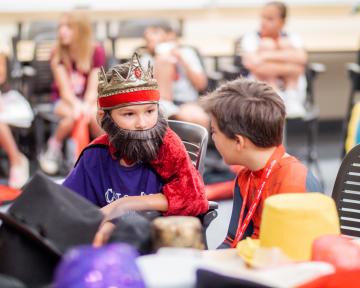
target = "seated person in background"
x: 179, y: 73
x: 277, y: 58
x: 139, y: 164
x: 19, y: 164
x: 75, y: 63
x: 247, y: 121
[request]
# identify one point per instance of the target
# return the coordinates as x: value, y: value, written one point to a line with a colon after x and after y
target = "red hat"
x: 138, y: 87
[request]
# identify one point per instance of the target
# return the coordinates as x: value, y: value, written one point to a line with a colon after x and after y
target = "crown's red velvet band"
x: 129, y: 97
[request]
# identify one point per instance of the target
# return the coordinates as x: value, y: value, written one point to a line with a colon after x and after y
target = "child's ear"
x: 99, y: 116
x: 240, y: 142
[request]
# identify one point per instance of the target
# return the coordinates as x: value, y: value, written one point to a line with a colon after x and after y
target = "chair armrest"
x: 20, y: 72
x: 213, y: 205
x: 230, y: 68
x: 208, y: 217
x: 29, y: 71
x: 353, y: 68
x: 317, y: 67
x: 214, y: 75
x: 230, y: 71
x: 313, y: 69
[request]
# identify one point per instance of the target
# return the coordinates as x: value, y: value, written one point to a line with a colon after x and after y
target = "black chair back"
x: 40, y: 31
x: 238, y: 59
x: 346, y: 193
x: 195, y: 138
x: 40, y: 85
x: 134, y: 28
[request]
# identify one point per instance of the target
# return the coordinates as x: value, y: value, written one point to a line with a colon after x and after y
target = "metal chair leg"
x: 312, y: 155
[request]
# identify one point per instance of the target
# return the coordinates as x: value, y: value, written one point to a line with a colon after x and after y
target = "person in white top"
x: 12, y: 101
x: 277, y: 58
x: 179, y: 73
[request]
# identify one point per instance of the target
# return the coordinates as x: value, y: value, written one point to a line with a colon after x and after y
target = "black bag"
x: 134, y: 228
x: 46, y: 220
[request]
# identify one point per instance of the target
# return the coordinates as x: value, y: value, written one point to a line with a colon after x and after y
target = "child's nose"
x: 141, y: 123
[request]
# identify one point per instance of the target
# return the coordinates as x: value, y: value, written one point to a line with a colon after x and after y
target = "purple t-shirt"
x: 102, y: 180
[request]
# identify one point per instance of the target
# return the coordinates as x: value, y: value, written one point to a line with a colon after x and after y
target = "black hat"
x: 134, y: 228
x: 46, y: 220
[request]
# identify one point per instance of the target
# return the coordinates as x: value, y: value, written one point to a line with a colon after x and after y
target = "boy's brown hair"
x: 248, y: 108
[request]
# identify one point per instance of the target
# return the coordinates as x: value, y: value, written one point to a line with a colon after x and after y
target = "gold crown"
x: 137, y: 79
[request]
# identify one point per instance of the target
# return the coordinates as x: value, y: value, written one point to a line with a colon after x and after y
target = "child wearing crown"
x: 139, y: 164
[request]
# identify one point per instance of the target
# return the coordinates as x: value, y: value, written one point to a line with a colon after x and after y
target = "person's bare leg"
x: 291, y: 81
x: 164, y: 72
x: 192, y: 112
x: 266, y: 44
x: 19, y: 165
x: 289, y: 72
x: 8, y: 143
x: 50, y: 159
x: 276, y: 69
x: 66, y: 123
x: 270, y: 79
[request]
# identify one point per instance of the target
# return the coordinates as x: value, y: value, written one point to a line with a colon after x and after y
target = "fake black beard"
x: 135, y: 145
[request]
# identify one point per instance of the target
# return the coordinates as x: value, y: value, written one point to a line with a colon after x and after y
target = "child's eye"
x: 128, y: 114
x: 150, y: 111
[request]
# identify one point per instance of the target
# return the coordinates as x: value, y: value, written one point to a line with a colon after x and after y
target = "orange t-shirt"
x: 288, y: 175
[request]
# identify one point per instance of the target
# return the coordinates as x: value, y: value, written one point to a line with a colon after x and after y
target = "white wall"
x: 46, y: 5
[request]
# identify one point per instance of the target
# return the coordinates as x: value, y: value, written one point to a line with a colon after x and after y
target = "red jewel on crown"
x: 137, y: 72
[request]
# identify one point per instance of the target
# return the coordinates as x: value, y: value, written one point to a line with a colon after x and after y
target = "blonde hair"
x: 81, y: 44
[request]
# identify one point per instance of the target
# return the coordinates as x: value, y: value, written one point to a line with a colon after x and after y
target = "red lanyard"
x: 243, y: 223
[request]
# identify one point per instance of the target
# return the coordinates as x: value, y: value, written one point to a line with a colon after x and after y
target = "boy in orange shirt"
x: 247, y: 122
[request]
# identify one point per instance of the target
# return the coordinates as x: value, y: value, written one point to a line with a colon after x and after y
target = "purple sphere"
x: 108, y: 266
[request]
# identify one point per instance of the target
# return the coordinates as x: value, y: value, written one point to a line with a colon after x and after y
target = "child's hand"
x: 103, y: 234
x: 106, y: 228
x: 1, y: 104
x: 175, y: 53
x: 252, y: 61
x: 77, y: 108
x: 87, y: 111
